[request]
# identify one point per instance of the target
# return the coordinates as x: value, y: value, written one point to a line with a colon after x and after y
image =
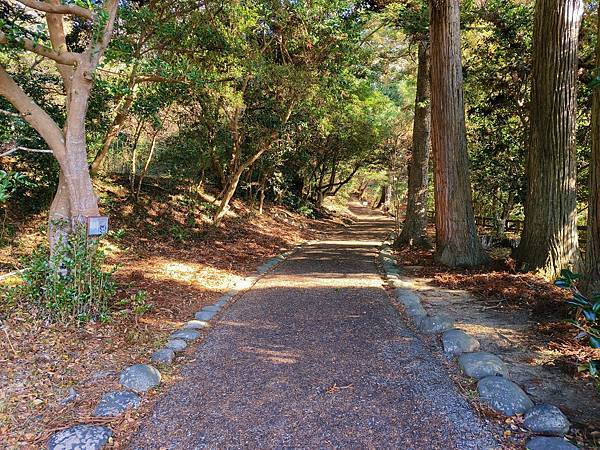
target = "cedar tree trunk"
x: 414, y: 231
x: 549, y: 240
x: 592, y: 280
x: 456, y: 236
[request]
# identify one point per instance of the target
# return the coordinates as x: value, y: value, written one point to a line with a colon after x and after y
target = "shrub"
x: 586, y: 318
x: 70, y: 286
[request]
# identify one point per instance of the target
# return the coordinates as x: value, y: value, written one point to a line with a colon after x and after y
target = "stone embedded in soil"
x: 140, y: 377
x: 215, y: 308
x: 549, y: 443
x: 435, y: 324
x: 479, y: 365
x: 88, y: 437
x: 407, y: 297
x: 457, y: 342
x: 196, y: 324
x: 177, y: 345
x: 402, y: 284
x: 187, y: 334
x: 547, y: 420
x: 223, y: 300
x: 411, y: 303
x: 115, y: 403
x: 205, y: 315
x: 503, y: 396
x: 163, y: 356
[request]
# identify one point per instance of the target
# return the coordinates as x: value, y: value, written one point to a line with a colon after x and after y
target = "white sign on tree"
x: 97, y: 225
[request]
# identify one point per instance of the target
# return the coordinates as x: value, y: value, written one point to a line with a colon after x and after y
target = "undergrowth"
x: 69, y: 286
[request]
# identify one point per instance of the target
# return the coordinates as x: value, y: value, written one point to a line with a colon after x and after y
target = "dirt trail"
x: 315, y: 356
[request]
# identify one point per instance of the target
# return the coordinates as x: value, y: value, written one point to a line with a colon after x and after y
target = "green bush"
x: 70, y: 286
x: 586, y: 318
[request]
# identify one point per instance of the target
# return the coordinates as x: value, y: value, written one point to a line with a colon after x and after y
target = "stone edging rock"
x: 495, y: 389
x: 140, y: 378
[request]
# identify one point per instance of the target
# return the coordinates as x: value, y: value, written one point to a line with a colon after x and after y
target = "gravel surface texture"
x: 315, y: 356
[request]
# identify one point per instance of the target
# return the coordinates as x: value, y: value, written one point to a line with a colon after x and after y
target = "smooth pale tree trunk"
x: 414, y: 230
x: 549, y: 240
x: 592, y: 278
x: 457, y: 243
x: 75, y: 199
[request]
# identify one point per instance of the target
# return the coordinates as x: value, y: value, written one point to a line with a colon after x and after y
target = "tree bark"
x: 414, y: 230
x: 147, y: 165
x: 592, y: 260
x: 549, y: 241
x: 75, y: 199
x: 457, y: 243
x: 232, y: 185
x: 112, y: 133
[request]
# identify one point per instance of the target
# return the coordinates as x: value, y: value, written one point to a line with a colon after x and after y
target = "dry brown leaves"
x: 40, y: 362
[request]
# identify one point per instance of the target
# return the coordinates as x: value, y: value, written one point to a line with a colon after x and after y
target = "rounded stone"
x: 186, y: 334
x: 196, y: 324
x: 205, y: 315
x: 479, y: 365
x: 435, y: 324
x: 503, y: 396
x: 549, y: 443
x: 177, y: 345
x: 215, y: 308
x: 115, y: 403
x: 223, y: 300
x: 456, y: 342
x: 163, y: 356
x: 89, y: 437
x: 547, y: 420
x: 140, y: 377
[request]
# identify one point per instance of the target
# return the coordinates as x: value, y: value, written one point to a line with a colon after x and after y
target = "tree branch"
x: 25, y: 149
x: 10, y: 113
x: 56, y: 28
x: 72, y: 10
x: 65, y: 58
x: 33, y: 114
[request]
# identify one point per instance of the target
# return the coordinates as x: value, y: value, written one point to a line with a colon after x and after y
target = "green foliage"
x: 586, y: 318
x: 136, y: 304
x: 69, y: 286
x: 9, y: 182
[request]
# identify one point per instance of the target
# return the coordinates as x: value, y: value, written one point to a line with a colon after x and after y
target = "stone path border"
x: 140, y: 378
x: 546, y: 422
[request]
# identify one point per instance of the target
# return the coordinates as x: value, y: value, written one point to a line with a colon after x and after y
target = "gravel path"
x: 315, y: 356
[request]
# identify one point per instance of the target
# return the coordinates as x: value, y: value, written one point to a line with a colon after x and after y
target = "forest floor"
x: 166, y: 247
x: 521, y: 318
x: 163, y: 246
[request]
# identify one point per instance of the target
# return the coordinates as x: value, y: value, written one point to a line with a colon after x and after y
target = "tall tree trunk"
x: 549, y: 240
x: 592, y: 278
x: 414, y: 231
x: 456, y: 236
x: 382, y: 197
x: 147, y: 165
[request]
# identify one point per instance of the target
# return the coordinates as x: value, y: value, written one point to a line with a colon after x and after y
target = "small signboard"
x: 97, y: 225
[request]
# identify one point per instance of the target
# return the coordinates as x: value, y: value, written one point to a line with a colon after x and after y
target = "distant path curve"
x: 315, y: 356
